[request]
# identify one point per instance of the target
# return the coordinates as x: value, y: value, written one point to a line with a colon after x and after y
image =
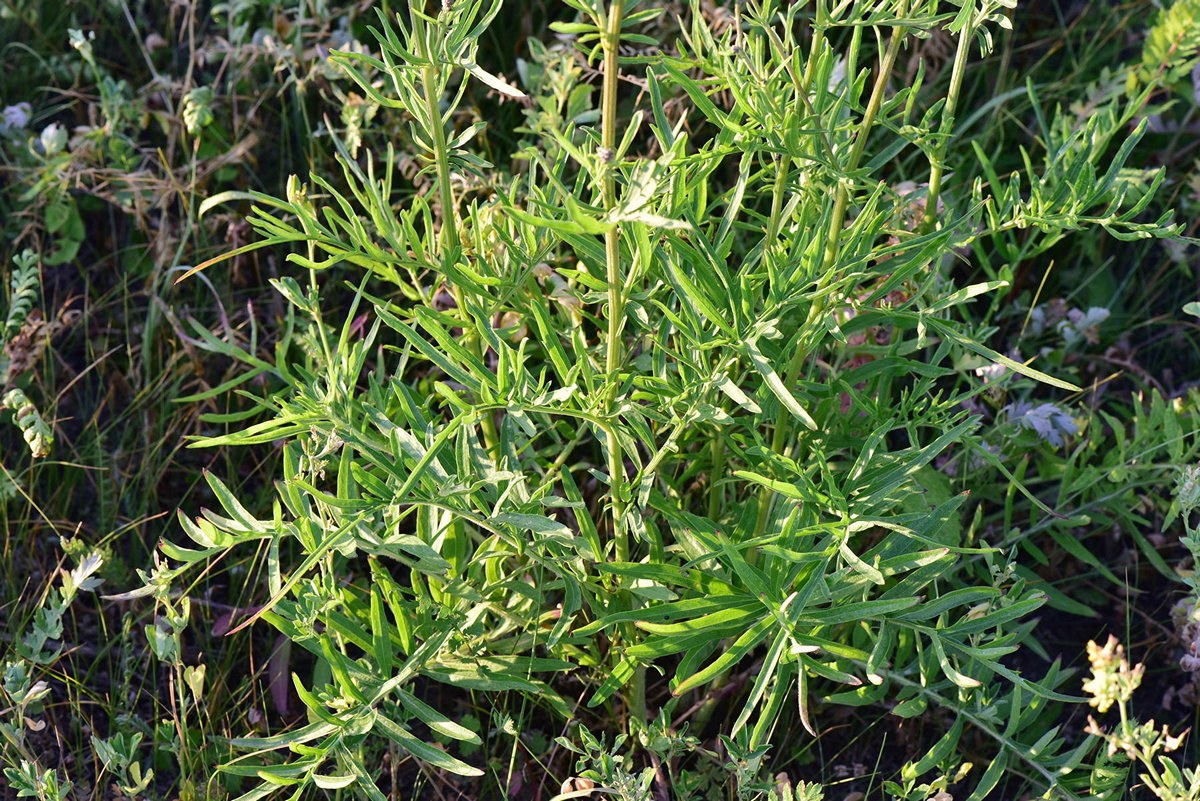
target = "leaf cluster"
x: 674, y: 402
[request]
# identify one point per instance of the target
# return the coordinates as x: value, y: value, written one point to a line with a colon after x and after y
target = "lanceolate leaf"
x: 434, y: 756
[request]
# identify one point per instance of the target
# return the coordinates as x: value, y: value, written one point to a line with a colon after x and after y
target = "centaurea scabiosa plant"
x: 597, y: 415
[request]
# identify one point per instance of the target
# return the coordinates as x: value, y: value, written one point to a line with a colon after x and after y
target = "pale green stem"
x: 715, y: 491
x: 943, y: 140
x: 777, y: 193
x: 450, y: 244
x: 441, y: 155
x: 833, y: 236
x: 1147, y: 760
x: 612, y: 265
x: 766, y: 495
x: 842, y: 198
x: 616, y: 310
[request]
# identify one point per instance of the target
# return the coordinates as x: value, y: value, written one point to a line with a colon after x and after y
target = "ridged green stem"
x: 612, y: 264
x: 441, y: 155
x: 613, y: 350
x: 943, y: 141
x: 842, y: 199
x: 766, y: 494
x: 836, y: 224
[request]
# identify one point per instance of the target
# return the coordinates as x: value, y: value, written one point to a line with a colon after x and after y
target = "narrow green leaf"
x: 423, y: 750
x: 1017, y: 367
x: 435, y: 719
x: 775, y: 384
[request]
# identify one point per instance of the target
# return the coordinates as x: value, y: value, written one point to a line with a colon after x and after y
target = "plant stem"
x: 450, y: 243
x: 833, y: 235
x: 841, y: 203
x: 612, y: 265
x: 767, y: 495
x: 441, y: 157
x: 842, y: 199
x: 777, y: 194
x: 943, y: 141
x: 614, y: 351
x: 716, y: 500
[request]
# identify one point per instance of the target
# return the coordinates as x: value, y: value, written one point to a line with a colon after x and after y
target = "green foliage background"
x: 681, y: 401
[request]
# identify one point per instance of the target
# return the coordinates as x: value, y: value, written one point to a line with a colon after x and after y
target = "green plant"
x: 1172, y: 46
x: 119, y: 756
x: 45, y: 786
x: 667, y: 401
x: 24, y: 285
x: 20, y: 347
x: 25, y: 687
x: 96, y: 199
x: 1114, y: 681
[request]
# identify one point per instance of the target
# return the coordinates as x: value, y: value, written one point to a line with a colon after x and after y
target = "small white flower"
x: 991, y: 372
x: 83, y: 43
x: 53, y: 138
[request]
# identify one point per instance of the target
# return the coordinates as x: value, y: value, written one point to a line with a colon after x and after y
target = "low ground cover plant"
x: 632, y: 443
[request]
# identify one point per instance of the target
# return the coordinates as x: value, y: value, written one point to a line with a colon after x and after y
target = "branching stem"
x: 833, y: 235
x: 842, y: 198
x: 450, y: 244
